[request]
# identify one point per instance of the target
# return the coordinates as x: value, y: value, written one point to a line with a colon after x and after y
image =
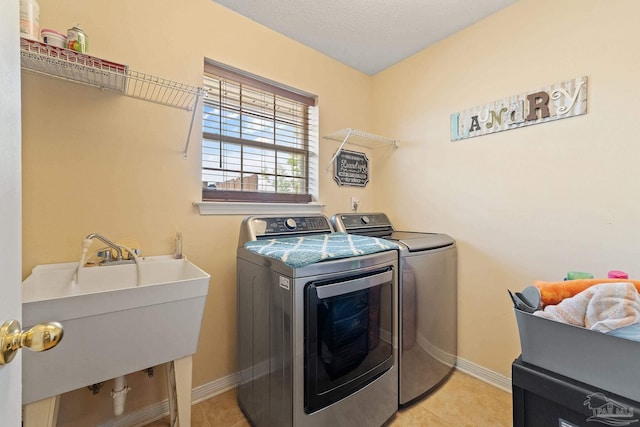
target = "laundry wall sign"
x: 351, y: 168
x: 553, y: 102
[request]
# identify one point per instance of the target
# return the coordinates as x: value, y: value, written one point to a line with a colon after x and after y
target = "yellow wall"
x: 96, y: 161
x: 525, y: 204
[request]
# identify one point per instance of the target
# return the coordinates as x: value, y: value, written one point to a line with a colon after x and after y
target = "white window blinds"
x: 255, y: 138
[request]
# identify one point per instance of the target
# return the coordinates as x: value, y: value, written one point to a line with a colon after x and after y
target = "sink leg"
x: 179, y: 385
x: 173, y: 400
x: 43, y: 413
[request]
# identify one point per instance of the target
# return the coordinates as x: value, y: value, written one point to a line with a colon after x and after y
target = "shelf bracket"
x: 346, y: 138
x: 193, y: 116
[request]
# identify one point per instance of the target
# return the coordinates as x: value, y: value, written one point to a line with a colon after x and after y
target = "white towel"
x: 601, y: 308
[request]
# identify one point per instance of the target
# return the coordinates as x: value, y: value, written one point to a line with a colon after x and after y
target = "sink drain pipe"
x: 119, y: 394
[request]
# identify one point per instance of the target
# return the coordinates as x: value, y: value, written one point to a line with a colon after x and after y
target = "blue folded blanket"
x: 631, y: 332
x: 298, y: 252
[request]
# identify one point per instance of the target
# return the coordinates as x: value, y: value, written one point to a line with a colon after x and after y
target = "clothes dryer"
x: 317, y: 324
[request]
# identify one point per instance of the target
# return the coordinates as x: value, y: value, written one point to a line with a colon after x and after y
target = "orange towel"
x: 554, y: 292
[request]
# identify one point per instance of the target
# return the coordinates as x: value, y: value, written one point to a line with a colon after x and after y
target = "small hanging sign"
x: 553, y: 102
x: 351, y: 169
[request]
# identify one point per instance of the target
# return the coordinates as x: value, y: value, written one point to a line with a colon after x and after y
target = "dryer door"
x: 348, y: 335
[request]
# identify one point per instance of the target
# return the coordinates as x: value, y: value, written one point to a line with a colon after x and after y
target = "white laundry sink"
x: 117, y: 319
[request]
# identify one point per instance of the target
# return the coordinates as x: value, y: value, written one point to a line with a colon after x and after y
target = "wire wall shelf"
x: 89, y: 70
x: 162, y: 91
x: 359, y: 138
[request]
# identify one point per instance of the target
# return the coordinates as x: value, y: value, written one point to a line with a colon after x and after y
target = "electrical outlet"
x: 354, y: 203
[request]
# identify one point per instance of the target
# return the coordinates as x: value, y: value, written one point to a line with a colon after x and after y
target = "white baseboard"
x: 484, y: 374
x: 208, y: 390
x: 161, y: 409
x: 213, y: 388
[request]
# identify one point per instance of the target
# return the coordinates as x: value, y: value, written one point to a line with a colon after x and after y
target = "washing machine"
x: 317, y: 334
x: 427, y: 304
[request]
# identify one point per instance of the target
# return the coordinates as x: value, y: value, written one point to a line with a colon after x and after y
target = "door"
x: 10, y: 203
x: 348, y: 335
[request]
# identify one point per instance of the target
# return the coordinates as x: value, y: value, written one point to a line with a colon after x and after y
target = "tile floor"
x: 462, y: 401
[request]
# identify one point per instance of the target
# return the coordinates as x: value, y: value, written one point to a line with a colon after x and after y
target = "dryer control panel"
x: 269, y: 227
x: 281, y: 225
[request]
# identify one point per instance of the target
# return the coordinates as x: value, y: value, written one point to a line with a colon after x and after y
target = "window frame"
x: 309, y: 151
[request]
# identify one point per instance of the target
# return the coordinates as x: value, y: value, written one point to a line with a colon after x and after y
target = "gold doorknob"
x: 41, y: 337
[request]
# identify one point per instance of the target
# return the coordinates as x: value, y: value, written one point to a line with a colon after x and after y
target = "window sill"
x: 242, y: 208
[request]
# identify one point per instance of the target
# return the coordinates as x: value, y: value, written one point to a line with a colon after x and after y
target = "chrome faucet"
x: 108, y: 243
x: 105, y: 253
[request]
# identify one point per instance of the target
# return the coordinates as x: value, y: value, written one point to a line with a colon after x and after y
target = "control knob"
x: 364, y: 219
x: 290, y: 223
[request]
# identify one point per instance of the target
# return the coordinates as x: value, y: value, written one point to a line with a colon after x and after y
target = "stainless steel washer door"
x: 428, y: 326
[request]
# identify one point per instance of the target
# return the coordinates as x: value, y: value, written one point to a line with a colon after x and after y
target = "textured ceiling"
x: 368, y: 35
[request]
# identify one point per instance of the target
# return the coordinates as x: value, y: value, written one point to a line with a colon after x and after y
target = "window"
x: 259, y: 139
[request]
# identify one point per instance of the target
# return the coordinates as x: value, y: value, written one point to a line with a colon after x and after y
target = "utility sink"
x: 117, y: 319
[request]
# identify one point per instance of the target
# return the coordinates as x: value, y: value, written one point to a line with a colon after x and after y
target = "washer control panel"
x: 351, y: 221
